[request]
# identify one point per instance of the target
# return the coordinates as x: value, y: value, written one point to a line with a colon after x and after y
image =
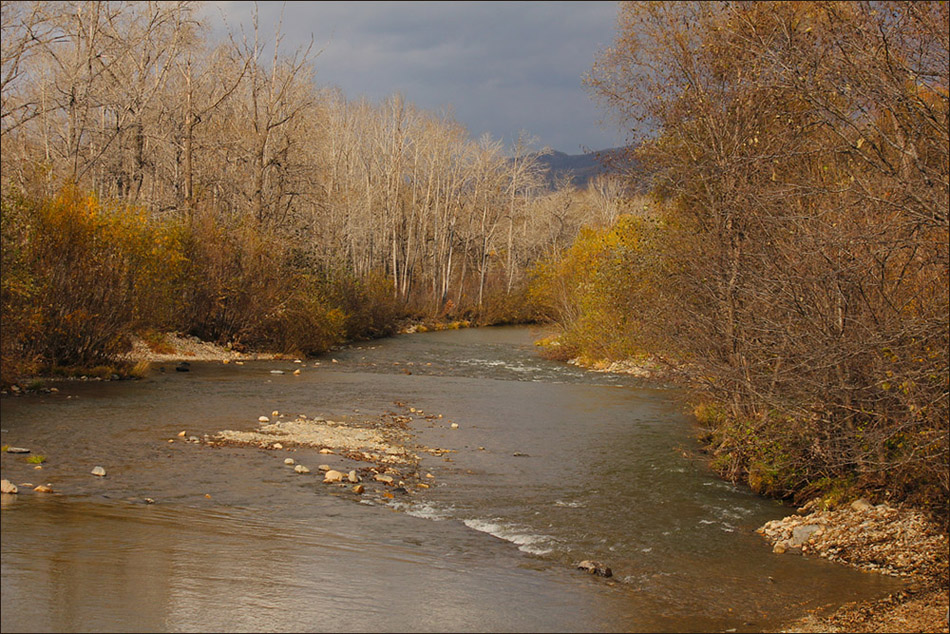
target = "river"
x: 235, y: 541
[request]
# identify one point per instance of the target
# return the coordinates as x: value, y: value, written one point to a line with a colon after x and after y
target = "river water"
x: 236, y: 541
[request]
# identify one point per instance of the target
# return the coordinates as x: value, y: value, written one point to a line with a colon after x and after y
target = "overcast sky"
x: 500, y: 67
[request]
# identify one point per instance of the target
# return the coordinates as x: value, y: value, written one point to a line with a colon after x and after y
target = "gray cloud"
x: 501, y: 67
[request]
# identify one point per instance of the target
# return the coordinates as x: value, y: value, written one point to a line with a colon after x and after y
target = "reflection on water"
x: 237, y: 542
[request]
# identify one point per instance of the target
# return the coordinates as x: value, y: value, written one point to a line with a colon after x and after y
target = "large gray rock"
x: 801, y: 534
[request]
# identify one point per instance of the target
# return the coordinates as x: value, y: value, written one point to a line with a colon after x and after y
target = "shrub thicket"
x: 81, y: 276
x: 801, y: 162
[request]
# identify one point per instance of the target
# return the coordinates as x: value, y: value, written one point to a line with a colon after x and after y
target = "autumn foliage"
x: 799, y: 264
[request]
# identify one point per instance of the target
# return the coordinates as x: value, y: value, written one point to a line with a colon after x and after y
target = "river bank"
x: 879, y: 539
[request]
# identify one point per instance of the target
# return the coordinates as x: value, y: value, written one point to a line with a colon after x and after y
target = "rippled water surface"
x: 552, y: 465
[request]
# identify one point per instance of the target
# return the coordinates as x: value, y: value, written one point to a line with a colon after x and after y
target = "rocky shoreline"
x: 895, y: 541
x: 179, y: 347
x: 376, y: 458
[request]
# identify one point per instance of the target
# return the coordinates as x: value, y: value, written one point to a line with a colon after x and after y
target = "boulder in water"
x: 595, y: 568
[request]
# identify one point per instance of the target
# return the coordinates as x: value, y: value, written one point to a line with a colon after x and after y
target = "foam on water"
x: 526, y: 542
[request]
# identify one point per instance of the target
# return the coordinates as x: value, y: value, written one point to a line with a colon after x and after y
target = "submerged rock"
x: 301, y: 469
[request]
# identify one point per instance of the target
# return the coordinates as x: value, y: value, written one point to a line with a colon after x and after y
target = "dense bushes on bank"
x: 800, y: 265
x: 80, y: 276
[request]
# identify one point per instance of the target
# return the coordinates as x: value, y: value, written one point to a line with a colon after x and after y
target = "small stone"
x: 98, y: 471
x: 276, y: 371
x: 263, y: 419
x: 288, y: 461
x: 301, y: 469
x: 7, y: 487
x: 43, y: 488
x: 275, y: 413
x: 297, y: 372
x: 277, y: 445
x: 454, y: 425
x: 193, y: 439
x: 324, y: 467
x: 429, y: 475
x: 181, y: 434
x: 38, y: 467
x: 225, y: 361
x: 358, y: 489
x: 17, y: 450
x: 779, y: 548
x: 384, y: 479
x: 149, y: 501
x: 352, y: 477
x: 332, y: 476
x: 326, y: 451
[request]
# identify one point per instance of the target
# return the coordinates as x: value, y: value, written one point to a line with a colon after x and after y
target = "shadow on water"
x: 238, y: 542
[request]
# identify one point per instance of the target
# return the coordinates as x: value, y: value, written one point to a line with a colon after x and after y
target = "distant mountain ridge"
x: 578, y: 168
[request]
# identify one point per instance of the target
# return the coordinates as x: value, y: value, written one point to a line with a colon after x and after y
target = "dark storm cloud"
x: 500, y: 67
